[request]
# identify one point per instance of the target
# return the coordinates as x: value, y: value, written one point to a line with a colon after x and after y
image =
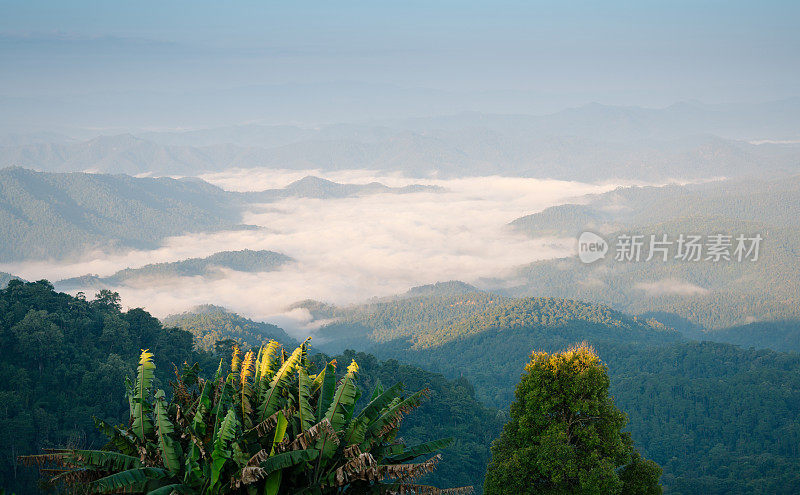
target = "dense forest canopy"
x: 672, y: 389
x: 210, y: 324
x: 65, y: 360
x: 565, y: 433
x: 435, y: 319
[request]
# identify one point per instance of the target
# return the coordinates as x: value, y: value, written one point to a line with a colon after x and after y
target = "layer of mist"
x: 346, y: 249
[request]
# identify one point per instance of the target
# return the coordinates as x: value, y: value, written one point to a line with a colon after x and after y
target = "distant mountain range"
x: 593, y: 142
x: 47, y: 215
x: 316, y: 187
x: 210, y: 267
x: 464, y: 152
x: 5, y: 278
x: 705, y: 294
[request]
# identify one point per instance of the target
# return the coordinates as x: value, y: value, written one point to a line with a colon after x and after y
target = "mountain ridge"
x: 244, y: 260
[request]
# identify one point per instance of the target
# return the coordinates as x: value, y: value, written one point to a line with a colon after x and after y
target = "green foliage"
x: 565, y: 434
x: 64, y: 361
x: 90, y: 367
x: 261, y: 449
x: 452, y: 411
x: 210, y: 324
x: 717, y: 418
x: 432, y: 320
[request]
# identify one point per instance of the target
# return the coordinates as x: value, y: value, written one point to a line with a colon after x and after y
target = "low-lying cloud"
x: 671, y: 286
x: 347, y: 249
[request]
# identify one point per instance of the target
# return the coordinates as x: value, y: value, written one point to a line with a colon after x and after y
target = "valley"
x: 439, y: 252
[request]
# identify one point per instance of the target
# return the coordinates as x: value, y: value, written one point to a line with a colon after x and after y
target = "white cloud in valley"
x: 347, y: 249
x: 671, y: 286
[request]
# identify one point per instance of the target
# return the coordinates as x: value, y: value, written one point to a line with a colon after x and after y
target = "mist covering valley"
x: 482, y: 199
x: 436, y: 196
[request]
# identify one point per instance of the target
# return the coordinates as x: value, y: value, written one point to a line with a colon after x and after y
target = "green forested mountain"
x: 706, y: 294
x: 713, y: 295
x: 402, y: 318
x: 433, y: 320
x: 60, y: 215
x: 564, y: 220
x: 449, y: 288
x: 693, y: 395
x: 427, y: 330
x: 772, y: 202
x: 64, y: 360
x: 782, y: 335
x: 46, y: 215
x: 245, y: 260
x: 210, y: 324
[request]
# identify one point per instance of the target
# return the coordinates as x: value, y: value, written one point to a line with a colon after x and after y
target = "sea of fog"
x: 349, y: 249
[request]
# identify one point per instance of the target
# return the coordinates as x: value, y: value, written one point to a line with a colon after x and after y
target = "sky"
x: 316, y: 62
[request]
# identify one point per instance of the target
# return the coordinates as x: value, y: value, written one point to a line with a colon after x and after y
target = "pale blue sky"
x: 487, y: 55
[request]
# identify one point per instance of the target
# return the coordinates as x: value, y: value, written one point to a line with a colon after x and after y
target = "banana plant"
x: 269, y: 426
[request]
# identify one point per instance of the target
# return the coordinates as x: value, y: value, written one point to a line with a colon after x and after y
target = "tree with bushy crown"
x: 267, y: 427
x: 565, y: 435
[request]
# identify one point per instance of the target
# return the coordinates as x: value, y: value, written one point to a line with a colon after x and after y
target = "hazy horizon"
x: 151, y: 65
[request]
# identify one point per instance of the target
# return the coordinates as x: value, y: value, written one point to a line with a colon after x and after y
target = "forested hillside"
x: 62, y: 215
x: 705, y: 294
x: 64, y: 360
x: 434, y: 320
x: 210, y: 324
x: 46, y: 215
x: 713, y: 295
x: 685, y: 400
x: 719, y: 419
x: 772, y: 202
x: 782, y: 335
x: 400, y: 248
x: 210, y: 267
